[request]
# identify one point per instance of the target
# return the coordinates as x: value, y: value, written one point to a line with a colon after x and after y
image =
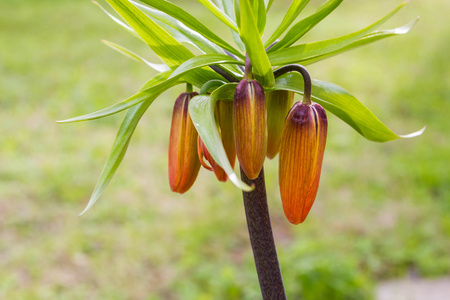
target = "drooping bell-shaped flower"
x: 183, y: 160
x: 250, y: 126
x: 225, y: 122
x: 203, y: 154
x: 278, y: 105
x: 302, y: 148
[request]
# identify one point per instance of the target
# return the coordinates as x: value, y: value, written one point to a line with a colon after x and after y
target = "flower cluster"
x: 254, y: 125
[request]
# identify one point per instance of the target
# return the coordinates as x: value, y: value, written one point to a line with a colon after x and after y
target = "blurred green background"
x: 382, y: 210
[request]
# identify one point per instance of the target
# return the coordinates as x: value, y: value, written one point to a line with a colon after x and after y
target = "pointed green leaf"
x: 182, y: 33
x: 179, y: 30
x: 134, y: 56
x: 169, y: 50
x: 255, y: 48
x: 118, y: 151
x: 121, y: 143
x: 204, y: 60
x: 294, y: 10
x: 259, y: 11
x: 301, y: 52
x: 219, y: 14
x: 228, y: 8
x: 147, y: 95
x: 122, y: 24
x: 189, y: 21
x: 201, y: 110
x: 367, y: 39
x: 305, y: 25
x: 346, y: 107
x: 167, y: 80
x: 268, y: 4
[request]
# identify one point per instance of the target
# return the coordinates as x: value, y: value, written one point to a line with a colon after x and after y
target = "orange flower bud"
x: 302, y: 148
x: 250, y: 131
x: 225, y: 121
x: 213, y: 166
x: 278, y: 105
x: 183, y: 160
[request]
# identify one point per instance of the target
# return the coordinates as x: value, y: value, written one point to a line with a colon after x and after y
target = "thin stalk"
x: 225, y: 74
x: 189, y: 88
x: 261, y: 238
x: 306, y: 78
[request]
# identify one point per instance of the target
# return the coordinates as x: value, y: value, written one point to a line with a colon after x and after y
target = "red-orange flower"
x: 183, y: 160
x: 302, y: 148
x: 250, y: 126
x: 203, y: 153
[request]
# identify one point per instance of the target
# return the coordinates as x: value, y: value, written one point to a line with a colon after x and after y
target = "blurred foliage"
x: 382, y: 209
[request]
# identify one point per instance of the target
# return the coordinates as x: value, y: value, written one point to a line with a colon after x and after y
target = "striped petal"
x: 183, y: 160
x: 250, y: 126
x: 302, y: 148
x: 213, y: 166
x: 278, y: 105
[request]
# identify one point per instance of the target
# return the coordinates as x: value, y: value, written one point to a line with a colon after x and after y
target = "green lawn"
x: 383, y: 210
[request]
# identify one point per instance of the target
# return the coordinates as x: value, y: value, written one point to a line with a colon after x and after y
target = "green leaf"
x: 228, y: 8
x: 201, y: 110
x: 148, y: 95
x: 184, y: 34
x: 268, y: 4
x: 188, y: 20
x: 168, y: 49
x: 122, y: 24
x: 367, y: 39
x: 179, y: 30
x: 118, y: 151
x: 219, y: 14
x: 121, y: 143
x: 134, y: 56
x: 305, y: 25
x: 301, y: 52
x: 204, y: 60
x: 346, y: 107
x: 259, y: 11
x: 166, y: 80
x: 255, y: 48
x: 294, y: 10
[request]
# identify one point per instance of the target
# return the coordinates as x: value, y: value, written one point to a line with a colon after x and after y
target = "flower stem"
x: 261, y: 238
x: 189, y: 88
x: 306, y: 78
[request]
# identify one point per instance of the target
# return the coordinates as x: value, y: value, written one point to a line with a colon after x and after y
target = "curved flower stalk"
x: 250, y: 114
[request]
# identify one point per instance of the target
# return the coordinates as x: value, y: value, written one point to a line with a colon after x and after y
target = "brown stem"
x: 261, y: 238
x: 306, y: 77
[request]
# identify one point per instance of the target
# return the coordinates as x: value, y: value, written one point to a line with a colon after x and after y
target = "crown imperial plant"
x: 240, y: 107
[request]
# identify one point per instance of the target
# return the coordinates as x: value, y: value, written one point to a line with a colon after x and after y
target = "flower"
x: 278, y: 105
x: 183, y: 160
x: 250, y: 126
x: 300, y: 163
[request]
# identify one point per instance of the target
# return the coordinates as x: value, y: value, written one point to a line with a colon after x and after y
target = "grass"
x: 382, y: 209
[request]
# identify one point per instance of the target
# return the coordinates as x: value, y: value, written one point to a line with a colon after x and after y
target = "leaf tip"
x: 63, y: 121
x: 414, y: 134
